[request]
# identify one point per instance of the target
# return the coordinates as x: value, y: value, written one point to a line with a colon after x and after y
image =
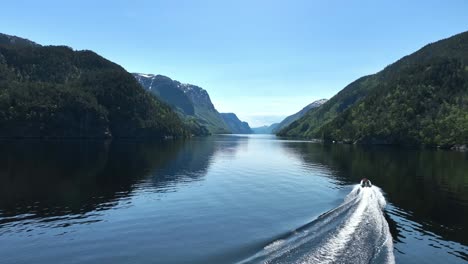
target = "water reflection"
x: 74, y: 180
x: 188, y: 163
x: 428, y: 187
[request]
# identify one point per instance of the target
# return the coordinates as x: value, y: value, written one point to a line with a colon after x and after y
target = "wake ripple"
x: 354, y: 232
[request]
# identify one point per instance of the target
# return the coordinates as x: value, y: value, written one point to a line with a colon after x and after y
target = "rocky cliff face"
x: 190, y: 101
x: 198, y: 96
x: 235, y: 125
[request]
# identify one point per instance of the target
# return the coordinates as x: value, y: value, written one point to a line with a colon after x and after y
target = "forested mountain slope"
x: 288, y: 120
x: 422, y: 99
x: 56, y: 92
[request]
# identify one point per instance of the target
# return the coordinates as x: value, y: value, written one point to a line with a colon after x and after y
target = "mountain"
x: 167, y: 90
x: 288, y: 120
x: 265, y: 129
x: 56, y: 92
x: 235, y: 125
x: 422, y: 99
x: 191, y: 102
x: 309, y: 125
x: 276, y: 127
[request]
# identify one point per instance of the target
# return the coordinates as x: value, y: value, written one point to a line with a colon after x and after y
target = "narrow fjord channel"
x: 230, y: 199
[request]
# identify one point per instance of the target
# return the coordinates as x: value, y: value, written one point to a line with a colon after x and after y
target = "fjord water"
x: 230, y: 199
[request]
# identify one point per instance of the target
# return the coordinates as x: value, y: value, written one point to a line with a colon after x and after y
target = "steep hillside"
x: 421, y: 99
x: 309, y: 124
x: 53, y: 91
x: 235, y: 125
x: 191, y: 102
x: 288, y: 120
x: 168, y: 90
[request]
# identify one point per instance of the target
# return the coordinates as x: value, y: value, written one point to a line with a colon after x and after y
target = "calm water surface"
x: 230, y: 199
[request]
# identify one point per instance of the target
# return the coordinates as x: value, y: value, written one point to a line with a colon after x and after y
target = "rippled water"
x: 230, y: 199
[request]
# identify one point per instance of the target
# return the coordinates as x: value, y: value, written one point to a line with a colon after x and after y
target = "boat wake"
x: 354, y: 232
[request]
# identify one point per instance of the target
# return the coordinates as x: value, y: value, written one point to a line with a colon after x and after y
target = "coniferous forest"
x: 56, y: 92
x: 421, y: 99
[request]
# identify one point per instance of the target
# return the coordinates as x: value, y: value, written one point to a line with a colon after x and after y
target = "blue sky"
x: 262, y: 60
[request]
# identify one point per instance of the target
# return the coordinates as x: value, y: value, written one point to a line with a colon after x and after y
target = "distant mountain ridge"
x: 274, y: 128
x: 288, y: 120
x: 235, y: 125
x: 265, y: 129
x: 192, y: 102
x: 422, y: 99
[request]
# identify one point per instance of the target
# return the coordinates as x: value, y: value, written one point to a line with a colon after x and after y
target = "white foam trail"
x: 331, y: 249
x: 354, y: 232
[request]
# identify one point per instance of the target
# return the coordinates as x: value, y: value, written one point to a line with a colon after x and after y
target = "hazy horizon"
x: 262, y: 61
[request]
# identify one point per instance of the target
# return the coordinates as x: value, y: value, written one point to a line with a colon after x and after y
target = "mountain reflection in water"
x: 223, y: 199
x: 63, y: 180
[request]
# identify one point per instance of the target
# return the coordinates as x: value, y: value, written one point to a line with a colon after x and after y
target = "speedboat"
x: 366, y: 183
